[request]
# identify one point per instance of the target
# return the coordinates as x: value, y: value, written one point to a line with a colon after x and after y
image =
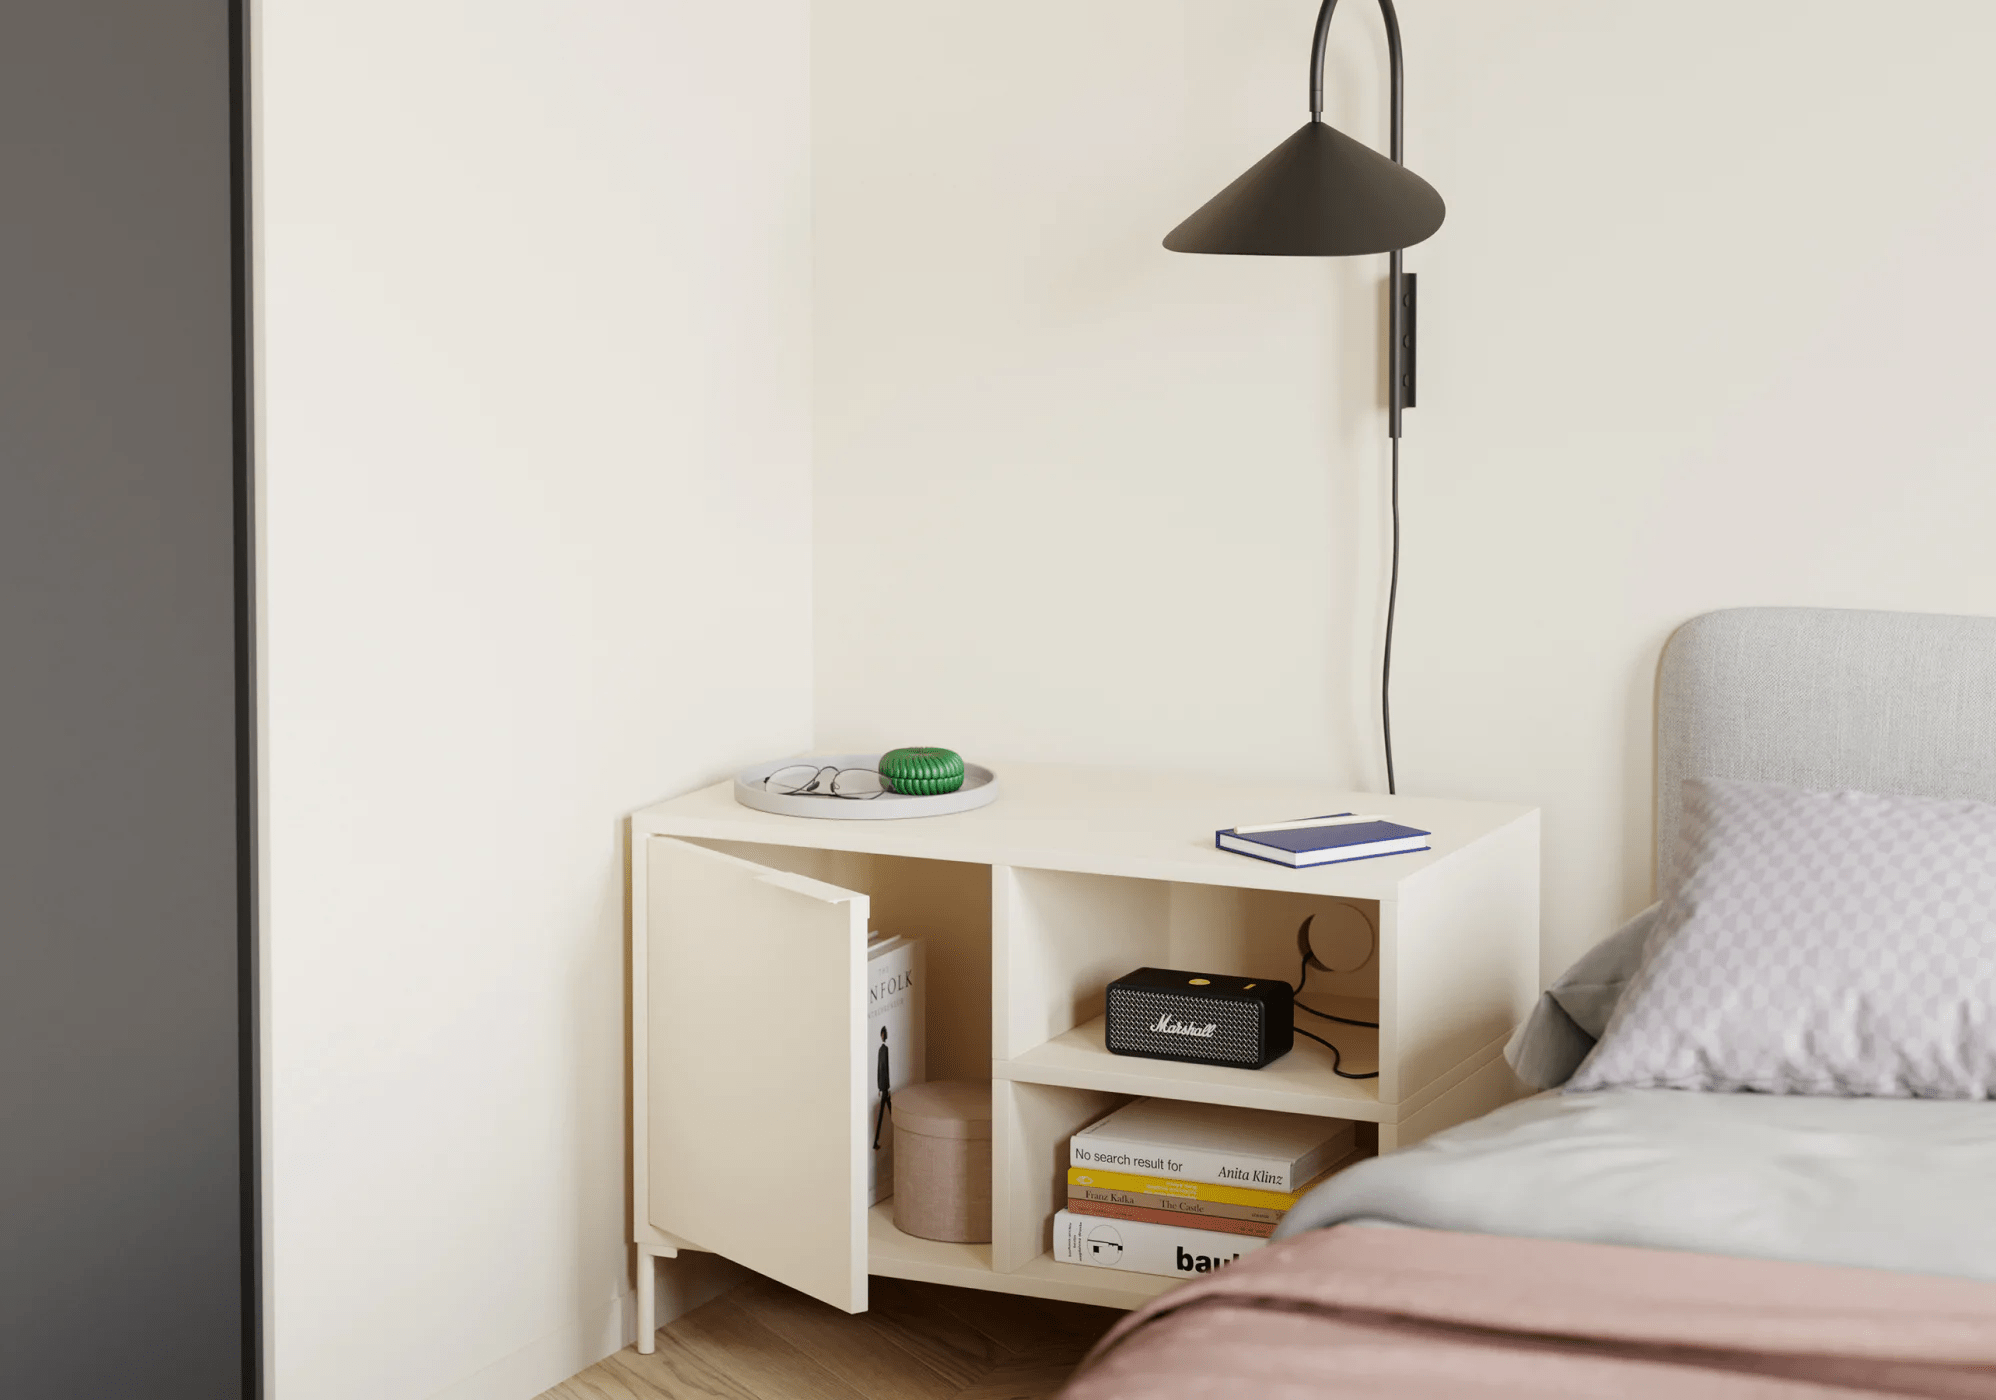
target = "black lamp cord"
x: 1400, y: 326
x: 1337, y: 1055
x: 1392, y: 606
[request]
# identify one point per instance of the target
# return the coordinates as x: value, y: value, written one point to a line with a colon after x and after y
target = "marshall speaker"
x: 1201, y: 1017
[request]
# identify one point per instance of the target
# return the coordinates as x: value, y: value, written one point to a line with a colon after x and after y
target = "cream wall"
x: 1707, y: 327
x: 535, y: 298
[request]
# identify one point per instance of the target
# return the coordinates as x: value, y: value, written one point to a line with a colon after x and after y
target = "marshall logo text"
x: 1171, y: 1027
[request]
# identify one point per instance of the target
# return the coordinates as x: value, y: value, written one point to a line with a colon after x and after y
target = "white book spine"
x: 1145, y: 1248
x: 895, y: 984
x: 1183, y: 1163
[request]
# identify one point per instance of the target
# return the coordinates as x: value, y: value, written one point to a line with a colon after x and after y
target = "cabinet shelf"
x: 891, y: 1254
x: 1299, y: 1082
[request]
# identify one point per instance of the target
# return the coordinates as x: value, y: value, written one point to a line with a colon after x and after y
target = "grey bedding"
x: 1871, y: 1183
x: 1814, y: 698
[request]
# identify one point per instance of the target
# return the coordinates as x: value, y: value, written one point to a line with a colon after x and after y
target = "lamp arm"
x: 1400, y: 285
x: 1320, y: 46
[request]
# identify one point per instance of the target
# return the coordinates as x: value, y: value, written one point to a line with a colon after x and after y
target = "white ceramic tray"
x: 980, y: 786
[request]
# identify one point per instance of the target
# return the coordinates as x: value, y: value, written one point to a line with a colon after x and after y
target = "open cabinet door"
x: 756, y: 1097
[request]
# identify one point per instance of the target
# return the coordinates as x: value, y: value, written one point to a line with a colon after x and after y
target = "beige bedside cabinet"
x: 748, y: 950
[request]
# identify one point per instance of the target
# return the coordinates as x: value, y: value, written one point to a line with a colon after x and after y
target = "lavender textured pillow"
x: 1829, y: 943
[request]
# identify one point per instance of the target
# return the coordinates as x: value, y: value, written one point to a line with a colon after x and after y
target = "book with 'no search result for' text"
x: 1220, y: 1144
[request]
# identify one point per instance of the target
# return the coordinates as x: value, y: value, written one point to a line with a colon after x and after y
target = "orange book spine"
x: 1260, y: 1229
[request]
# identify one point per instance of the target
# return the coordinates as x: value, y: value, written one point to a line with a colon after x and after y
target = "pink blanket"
x: 1356, y: 1311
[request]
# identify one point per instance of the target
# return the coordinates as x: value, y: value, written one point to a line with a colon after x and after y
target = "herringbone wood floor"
x: 918, y: 1341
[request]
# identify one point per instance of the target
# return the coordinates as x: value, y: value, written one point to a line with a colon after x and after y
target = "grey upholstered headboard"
x: 1823, y: 698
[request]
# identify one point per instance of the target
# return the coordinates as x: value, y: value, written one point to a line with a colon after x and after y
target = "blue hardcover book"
x: 1323, y: 840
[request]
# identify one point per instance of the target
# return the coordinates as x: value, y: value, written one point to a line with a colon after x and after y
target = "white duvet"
x: 1905, y: 1184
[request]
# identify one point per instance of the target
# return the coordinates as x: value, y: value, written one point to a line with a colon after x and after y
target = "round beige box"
x: 942, y: 1160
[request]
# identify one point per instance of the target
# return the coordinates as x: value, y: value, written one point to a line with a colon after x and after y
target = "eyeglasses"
x: 810, y: 780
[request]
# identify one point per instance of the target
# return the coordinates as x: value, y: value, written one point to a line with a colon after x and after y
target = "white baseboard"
x: 552, y: 1359
x: 683, y: 1285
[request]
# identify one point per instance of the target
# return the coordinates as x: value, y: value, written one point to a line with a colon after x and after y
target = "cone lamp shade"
x: 1319, y: 194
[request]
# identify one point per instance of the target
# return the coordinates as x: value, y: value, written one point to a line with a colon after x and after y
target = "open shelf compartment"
x: 1060, y: 938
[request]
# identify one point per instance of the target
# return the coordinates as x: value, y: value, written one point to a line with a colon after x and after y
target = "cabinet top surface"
x: 1108, y: 821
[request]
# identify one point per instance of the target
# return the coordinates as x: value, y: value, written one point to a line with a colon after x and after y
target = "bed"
x: 1653, y: 1241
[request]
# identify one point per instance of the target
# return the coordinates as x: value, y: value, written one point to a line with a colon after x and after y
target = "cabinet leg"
x: 647, y: 1300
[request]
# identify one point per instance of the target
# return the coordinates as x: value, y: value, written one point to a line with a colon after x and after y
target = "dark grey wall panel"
x: 122, y: 1234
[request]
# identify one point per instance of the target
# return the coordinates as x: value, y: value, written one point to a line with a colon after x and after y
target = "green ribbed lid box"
x: 922, y: 772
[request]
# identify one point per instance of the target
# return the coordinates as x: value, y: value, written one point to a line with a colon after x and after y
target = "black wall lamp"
x: 1321, y: 194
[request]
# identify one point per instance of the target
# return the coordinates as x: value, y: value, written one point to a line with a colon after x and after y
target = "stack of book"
x: 1165, y: 1187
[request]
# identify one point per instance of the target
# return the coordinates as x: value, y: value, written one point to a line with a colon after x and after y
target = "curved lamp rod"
x: 1321, y: 44
x: 1400, y: 295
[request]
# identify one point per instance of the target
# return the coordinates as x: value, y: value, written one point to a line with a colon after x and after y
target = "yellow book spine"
x: 1190, y: 1190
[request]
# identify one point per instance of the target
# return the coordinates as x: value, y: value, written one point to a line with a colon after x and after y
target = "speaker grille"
x: 1133, y: 1014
